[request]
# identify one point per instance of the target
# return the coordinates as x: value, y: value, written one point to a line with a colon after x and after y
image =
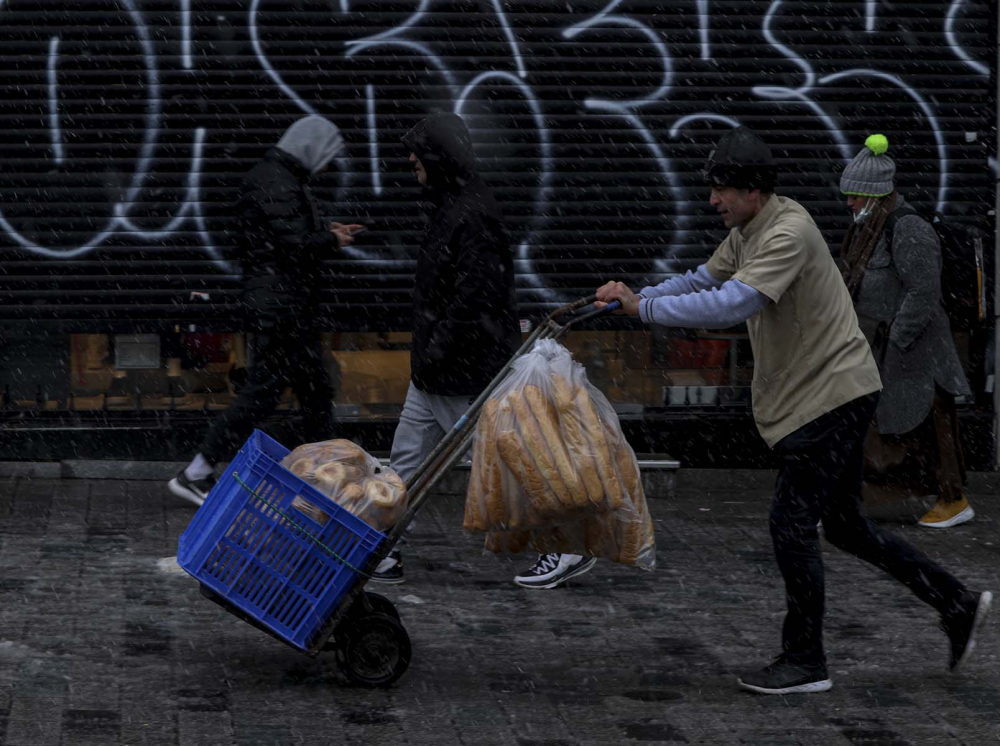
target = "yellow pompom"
x: 878, y: 144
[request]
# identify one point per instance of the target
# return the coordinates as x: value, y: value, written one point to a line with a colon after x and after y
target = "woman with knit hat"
x: 891, y: 262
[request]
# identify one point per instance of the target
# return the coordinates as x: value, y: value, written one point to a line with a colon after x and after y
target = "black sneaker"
x: 551, y: 570
x: 963, y: 626
x: 390, y: 570
x: 194, y: 491
x: 784, y: 677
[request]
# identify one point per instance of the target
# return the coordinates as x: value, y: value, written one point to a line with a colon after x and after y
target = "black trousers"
x: 822, y: 466
x: 283, y: 356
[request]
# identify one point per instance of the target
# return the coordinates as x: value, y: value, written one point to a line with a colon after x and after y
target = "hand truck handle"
x: 610, y: 308
x: 562, y: 310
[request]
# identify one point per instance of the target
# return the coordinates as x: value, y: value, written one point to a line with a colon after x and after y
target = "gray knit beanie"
x: 871, y: 172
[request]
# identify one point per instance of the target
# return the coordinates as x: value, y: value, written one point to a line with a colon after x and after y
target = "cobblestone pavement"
x: 101, y: 643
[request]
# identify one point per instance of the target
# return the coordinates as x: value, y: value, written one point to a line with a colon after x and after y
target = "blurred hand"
x: 618, y: 291
x: 345, y: 233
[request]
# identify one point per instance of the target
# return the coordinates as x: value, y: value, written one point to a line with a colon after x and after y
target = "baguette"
x: 488, y: 426
x: 515, y: 501
x: 517, y: 541
x: 633, y: 539
x: 599, y: 536
x: 564, y: 393
x: 535, y: 444
x: 476, y: 478
x: 628, y: 470
x: 576, y: 441
x: 488, y: 508
x: 496, y: 505
x: 473, y: 509
x: 513, y: 542
x: 492, y: 543
x: 470, y: 501
x: 602, y: 453
x: 519, y: 461
x: 548, y: 421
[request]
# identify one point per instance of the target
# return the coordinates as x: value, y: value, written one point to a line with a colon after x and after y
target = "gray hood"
x: 314, y: 141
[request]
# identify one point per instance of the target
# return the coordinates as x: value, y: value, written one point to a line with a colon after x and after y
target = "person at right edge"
x: 891, y: 261
x: 815, y: 391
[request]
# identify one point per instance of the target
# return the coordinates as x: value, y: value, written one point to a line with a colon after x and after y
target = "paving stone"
x: 100, y: 643
x: 34, y: 721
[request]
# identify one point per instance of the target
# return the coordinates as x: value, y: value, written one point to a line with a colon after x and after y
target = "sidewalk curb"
x: 657, y: 482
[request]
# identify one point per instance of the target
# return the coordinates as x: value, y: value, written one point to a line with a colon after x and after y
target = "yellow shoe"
x: 947, y: 514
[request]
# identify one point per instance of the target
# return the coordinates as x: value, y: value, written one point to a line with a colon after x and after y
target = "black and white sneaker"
x: 785, y: 677
x: 551, y: 570
x: 390, y: 570
x: 194, y: 491
x: 962, y: 627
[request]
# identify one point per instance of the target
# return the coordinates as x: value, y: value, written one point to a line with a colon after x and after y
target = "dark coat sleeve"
x: 277, y: 212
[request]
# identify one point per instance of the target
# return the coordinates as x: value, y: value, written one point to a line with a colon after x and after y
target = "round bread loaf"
x: 303, y: 467
x: 380, y: 493
x: 329, y: 477
x: 351, y: 493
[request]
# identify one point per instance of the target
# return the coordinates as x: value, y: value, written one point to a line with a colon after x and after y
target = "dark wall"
x: 125, y: 125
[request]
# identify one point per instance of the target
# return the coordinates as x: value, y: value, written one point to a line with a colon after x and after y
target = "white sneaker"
x: 390, y: 570
x: 194, y: 491
x: 551, y: 570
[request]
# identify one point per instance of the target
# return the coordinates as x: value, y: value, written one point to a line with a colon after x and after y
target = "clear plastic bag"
x: 346, y: 473
x: 551, y: 470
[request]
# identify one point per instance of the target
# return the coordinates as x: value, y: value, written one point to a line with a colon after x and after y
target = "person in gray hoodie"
x: 282, y: 244
x: 891, y: 262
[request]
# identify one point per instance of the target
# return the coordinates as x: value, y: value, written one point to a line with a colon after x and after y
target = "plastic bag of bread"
x: 549, y: 451
x: 624, y: 536
x: 346, y: 473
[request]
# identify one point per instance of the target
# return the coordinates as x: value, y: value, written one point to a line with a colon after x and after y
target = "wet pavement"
x: 103, y: 641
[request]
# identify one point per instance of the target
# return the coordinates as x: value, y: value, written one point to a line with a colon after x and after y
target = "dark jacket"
x: 465, y: 323
x: 282, y: 241
x: 901, y: 288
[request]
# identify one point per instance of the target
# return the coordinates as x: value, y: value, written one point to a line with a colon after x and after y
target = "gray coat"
x: 903, y: 289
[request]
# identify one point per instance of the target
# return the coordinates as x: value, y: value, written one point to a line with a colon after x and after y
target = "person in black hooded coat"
x: 282, y: 244
x: 465, y: 323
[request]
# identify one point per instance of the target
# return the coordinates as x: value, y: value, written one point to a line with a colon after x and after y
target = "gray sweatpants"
x: 425, y: 420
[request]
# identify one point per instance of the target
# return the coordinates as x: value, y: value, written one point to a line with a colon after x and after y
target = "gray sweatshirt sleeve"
x: 716, y: 308
x: 916, y: 252
x: 689, y: 282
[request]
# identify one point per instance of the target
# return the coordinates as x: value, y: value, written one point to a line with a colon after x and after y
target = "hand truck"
x: 302, y: 579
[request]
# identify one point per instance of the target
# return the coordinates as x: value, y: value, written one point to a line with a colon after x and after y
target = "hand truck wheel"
x: 373, y: 650
x: 375, y: 603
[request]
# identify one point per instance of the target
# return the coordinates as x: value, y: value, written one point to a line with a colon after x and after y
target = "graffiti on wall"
x: 545, y: 93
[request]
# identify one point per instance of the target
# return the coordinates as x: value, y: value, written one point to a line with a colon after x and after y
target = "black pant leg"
x: 846, y: 527
x: 814, y: 460
x: 311, y: 382
x: 266, y: 379
x: 805, y: 479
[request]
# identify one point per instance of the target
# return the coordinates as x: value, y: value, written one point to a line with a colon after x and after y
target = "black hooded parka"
x: 465, y: 322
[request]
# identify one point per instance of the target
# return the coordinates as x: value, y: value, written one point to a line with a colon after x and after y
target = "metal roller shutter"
x: 125, y: 125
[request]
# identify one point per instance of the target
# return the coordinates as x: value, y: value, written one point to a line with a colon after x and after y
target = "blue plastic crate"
x: 269, y: 554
